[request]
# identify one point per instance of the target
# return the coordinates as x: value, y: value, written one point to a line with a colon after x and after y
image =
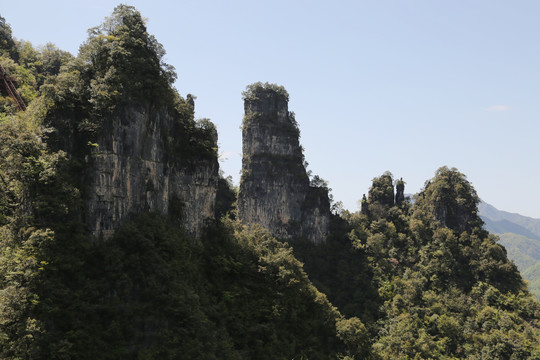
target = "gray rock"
x: 133, y: 170
x: 274, y: 188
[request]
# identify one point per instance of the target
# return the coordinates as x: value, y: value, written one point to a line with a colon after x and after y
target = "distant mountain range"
x: 520, y: 235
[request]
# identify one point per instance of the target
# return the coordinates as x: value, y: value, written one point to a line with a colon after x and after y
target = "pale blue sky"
x: 404, y: 86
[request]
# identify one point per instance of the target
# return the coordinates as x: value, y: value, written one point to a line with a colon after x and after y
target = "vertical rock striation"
x: 134, y: 168
x: 274, y: 188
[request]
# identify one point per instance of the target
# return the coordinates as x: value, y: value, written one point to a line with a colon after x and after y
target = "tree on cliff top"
x: 126, y: 61
x: 451, y: 200
x: 260, y: 90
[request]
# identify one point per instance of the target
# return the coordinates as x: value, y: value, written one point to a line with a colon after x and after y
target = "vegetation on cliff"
x: 435, y: 284
x: 520, y: 235
x: 422, y: 281
x: 150, y: 291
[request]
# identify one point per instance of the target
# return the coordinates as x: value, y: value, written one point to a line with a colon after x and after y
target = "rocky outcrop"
x: 400, y: 192
x: 275, y: 191
x: 134, y: 168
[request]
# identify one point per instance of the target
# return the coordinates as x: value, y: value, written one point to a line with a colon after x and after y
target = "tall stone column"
x: 274, y: 187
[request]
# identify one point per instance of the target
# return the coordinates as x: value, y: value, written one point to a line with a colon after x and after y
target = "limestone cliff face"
x: 134, y: 169
x: 274, y: 188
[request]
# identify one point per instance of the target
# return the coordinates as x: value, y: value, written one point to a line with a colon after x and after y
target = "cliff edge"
x: 135, y: 168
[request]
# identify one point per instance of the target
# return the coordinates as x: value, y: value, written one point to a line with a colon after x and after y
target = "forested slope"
x: 426, y: 279
x: 521, y: 237
x: 421, y: 281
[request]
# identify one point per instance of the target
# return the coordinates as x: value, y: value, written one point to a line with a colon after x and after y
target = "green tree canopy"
x: 7, y: 44
x: 450, y: 199
x: 382, y: 190
x: 126, y: 61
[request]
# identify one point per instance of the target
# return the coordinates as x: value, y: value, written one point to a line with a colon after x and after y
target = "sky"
x: 388, y: 85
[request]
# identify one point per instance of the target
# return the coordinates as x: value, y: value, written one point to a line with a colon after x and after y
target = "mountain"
x: 520, y: 235
x: 533, y: 275
x: 525, y: 252
x: 500, y: 222
x: 120, y: 240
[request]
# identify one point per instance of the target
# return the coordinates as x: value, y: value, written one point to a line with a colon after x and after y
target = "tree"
x: 126, y: 61
x: 451, y: 200
x: 7, y: 44
x: 382, y: 190
x: 52, y: 59
x: 400, y: 192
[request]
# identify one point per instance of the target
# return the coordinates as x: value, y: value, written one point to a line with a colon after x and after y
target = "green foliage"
x: 451, y: 200
x: 197, y: 140
x: 266, y: 299
x: 52, y: 59
x: 532, y: 275
x: 34, y: 200
x: 126, y: 62
x: 341, y: 271
x: 382, y: 190
x: 440, y: 275
x: 8, y: 48
x: 26, y: 85
x: 226, y: 197
x: 427, y: 282
x: 239, y: 294
x: 415, y: 281
x: 26, y: 66
x: 261, y: 90
x: 354, y: 334
x: 525, y: 253
x: 150, y: 291
x: 317, y: 181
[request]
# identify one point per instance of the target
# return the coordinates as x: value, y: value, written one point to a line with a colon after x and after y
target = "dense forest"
x: 396, y: 280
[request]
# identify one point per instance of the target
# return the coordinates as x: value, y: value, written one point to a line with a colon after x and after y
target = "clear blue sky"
x: 404, y: 86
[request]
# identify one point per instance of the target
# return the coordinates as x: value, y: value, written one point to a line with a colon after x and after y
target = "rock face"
x: 134, y: 169
x: 274, y: 188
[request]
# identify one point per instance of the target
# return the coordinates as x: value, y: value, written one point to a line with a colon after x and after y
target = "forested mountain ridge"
x: 107, y: 128
x: 521, y: 237
x: 393, y: 281
x: 500, y: 222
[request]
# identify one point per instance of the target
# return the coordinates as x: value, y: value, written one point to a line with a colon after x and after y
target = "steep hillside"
x: 532, y: 274
x: 426, y: 279
x: 108, y: 250
x: 514, y: 245
x: 528, y: 247
x: 118, y: 240
x: 521, y: 237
